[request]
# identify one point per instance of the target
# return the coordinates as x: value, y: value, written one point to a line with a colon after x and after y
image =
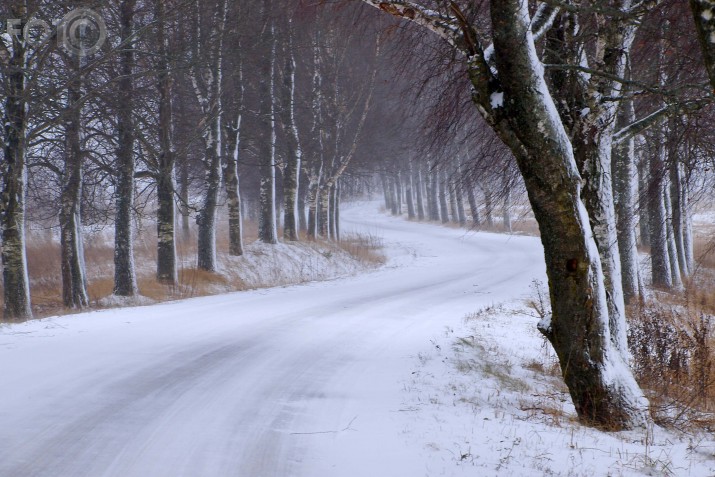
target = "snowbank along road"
x: 297, y: 381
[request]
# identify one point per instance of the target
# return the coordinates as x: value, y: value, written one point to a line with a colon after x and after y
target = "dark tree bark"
x: 409, y: 200
x: 232, y: 141
x: 184, y: 197
x: 602, y: 389
x: 658, y: 233
x: 506, y: 212
x: 488, y: 205
x: 452, y: 191
x: 16, y: 285
x: 624, y: 187
x: 291, y: 174
x: 443, y: 202
x: 704, y: 17
x: 433, y: 193
x: 125, y: 281
x: 166, y: 241
x: 386, y: 192
x: 209, y: 92
x: 473, y: 207
x: 643, y: 201
x: 419, y: 187
x: 74, y: 291
x: 267, y: 231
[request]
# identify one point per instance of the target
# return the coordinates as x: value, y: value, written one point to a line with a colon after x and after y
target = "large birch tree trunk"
x: 624, y: 186
x: 267, y: 231
x: 74, y: 292
x: 165, y: 181
x: 291, y: 174
x: 16, y: 285
x: 602, y: 388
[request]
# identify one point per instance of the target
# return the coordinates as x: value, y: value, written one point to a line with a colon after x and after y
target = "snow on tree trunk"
x: 166, y: 241
x: 16, y: 284
x: 679, y: 216
x: 316, y: 165
x: 602, y: 387
x: 232, y: 184
x: 672, y: 248
x: 313, y: 188
x: 267, y: 231
x: 334, y: 211
x: 74, y: 292
x: 207, y: 215
x: 324, y: 211
x: 302, y: 192
x: 125, y: 282
x: 658, y: 234
x: 624, y: 187
x: 291, y: 174
x: 208, y: 86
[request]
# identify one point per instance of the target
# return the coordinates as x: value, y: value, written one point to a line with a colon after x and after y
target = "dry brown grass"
x: 365, y: 248
x: 46, y: 283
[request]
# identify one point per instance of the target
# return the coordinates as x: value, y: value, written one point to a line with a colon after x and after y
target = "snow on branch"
x: 543, y: 20
x: 447, y: 27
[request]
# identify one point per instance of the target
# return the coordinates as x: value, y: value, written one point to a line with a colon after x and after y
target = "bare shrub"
x: 672, y: 350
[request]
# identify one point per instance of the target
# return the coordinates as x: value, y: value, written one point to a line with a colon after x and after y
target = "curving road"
x: 297, y: 381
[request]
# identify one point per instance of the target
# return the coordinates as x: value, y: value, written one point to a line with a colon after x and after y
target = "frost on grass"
x: 488, y: 399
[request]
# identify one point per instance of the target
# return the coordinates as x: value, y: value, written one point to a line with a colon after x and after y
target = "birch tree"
x: 164, y: 174
x: 267, y: 228
x: 16, y: 284
x: 207, y: 80
x: 125, y: 282
x: 294, y: 152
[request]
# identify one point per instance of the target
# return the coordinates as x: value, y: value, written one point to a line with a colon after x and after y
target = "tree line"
x: 172, y: 110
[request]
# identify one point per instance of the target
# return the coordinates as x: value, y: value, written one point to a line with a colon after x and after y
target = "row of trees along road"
x: 597, y: 112
x: 181, y: 100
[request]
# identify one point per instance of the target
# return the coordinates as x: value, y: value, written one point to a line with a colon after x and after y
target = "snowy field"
x: 377, y: 374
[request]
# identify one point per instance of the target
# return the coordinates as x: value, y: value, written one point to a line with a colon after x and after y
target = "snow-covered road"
x: 305, y: 380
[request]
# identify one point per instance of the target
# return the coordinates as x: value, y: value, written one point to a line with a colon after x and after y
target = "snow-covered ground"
x: 371, y: 375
